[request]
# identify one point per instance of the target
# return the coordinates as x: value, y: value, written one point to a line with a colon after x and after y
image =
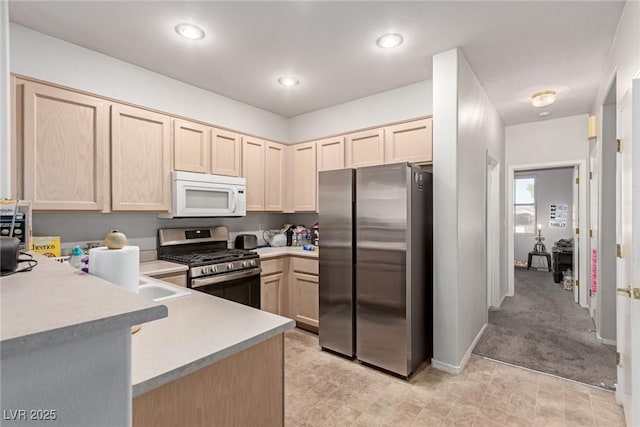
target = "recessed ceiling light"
x: 544, y: 113
x: 288, y: 81
x: 389, y: 41
x: 544, y: 98
x: 190, y: 31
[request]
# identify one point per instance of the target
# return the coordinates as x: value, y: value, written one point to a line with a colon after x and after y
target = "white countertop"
x: 55, y: 303
x: 200, y: 329
x: 266, y: 253
x: 161, y: 267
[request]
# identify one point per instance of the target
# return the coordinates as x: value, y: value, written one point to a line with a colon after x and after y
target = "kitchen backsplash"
x: 142, y: 228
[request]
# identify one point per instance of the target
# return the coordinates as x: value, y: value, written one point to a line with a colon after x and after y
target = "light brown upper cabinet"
x: 140, y: 159
x: 225, y: 153
x: 365, y: 148
x: 409, y: 142
x: 253, y: 170
x: 304, y: 177
x: 65, y: 140
x: 191, y: 146
x: 275, y: 156
x: 330, y: 153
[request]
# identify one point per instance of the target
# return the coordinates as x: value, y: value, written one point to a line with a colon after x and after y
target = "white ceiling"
x: 513, y: 46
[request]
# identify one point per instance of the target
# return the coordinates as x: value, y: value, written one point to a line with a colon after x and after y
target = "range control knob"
x: 230, y: 266
x: 245, y: 264
x: 205, y: 270
x: 253, y: 263
x: 213, y: 269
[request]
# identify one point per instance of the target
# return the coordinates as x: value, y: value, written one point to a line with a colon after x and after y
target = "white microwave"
x: 204, y: 195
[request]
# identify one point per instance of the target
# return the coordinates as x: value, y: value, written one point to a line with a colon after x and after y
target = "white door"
x: 635, y: 309
x: 576, y: 236
x: 628, y: 311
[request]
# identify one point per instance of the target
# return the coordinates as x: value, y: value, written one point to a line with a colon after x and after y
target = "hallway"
x: 541, y: 328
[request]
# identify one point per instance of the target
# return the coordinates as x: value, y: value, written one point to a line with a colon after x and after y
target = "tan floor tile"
x: 578, y: 416
x: 514, y: 421
x: 498, y: 401
x: 428, y: 418
x: 548, y: 421
x: 323, y: 390
x: 463, y: 412
x: 343, y: 416
x: 521, y: 407
x: 438, y: 407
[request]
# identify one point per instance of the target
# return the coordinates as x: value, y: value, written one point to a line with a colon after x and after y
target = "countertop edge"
x: 195, y: 365
x: 13, y: 347
x: 146, y: 268
x: 280, y: 252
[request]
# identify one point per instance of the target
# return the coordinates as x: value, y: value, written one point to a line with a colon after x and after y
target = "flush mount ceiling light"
x: 288, y: 81
x: 190, y: 31
x: 389, y: 41
x: 544, y: 98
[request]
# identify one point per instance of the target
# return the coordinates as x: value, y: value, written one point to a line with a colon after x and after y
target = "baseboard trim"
x: 605, y: 341
x: 453, y: 369
x: 502, y: 300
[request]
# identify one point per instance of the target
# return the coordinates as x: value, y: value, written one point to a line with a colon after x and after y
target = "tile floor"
x: 322, y: 389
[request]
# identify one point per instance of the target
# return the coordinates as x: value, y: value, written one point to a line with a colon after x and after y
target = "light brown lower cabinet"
x: 244, y: 389
x: 271, y: 293
x: 304, y: 300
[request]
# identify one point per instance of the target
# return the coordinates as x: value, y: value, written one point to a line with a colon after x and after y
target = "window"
x: 524, y: 205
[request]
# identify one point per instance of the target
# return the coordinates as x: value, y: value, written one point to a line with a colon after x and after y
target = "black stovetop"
x: 210, y: 257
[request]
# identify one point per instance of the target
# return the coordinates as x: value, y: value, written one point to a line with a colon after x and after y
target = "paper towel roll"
x: 119, y: 266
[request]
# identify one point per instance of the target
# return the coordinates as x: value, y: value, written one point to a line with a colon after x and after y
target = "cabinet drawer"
x: 272, y: 266
x: 304, y: 265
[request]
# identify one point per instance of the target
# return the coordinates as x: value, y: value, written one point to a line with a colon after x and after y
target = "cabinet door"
x: 253, y: 171
x: 330, y: 153
x: 409, y: 142
x: 274, y: 176
x: 190, y: 146
x: 304, y: 296
x: 365, y: 148
x: 271, y: 288
x: 225, y: 153
x: 65, y: 149
x: 140, y: 162
x: 304, y: 177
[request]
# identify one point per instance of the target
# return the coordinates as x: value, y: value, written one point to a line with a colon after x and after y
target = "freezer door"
x: 381, y: 274
x: 336, y: 324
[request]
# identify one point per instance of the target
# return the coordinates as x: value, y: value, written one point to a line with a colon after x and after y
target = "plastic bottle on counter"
x: 75, y: 260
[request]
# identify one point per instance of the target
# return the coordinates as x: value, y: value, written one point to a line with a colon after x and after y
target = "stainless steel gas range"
x: 233, y: 274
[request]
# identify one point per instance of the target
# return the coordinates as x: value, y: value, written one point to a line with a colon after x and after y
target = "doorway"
x: 545, y: 324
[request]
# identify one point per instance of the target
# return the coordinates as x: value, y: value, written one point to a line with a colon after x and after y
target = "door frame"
x: 583, y: 224
x: 493, y: 267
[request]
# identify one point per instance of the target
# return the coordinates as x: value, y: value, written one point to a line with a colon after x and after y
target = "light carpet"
x: 541, y: 328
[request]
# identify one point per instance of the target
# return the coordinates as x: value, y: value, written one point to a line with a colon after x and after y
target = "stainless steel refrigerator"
x: 376, y: 265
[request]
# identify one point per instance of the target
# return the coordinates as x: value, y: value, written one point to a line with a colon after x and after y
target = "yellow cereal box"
x: 46, y: 245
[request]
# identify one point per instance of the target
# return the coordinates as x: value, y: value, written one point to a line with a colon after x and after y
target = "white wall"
x: 5, y: 146
x: 553, y: 186
x: 43, y: 57
x: 466, y: 128
x: 547, y: 141
x: 407, y: 102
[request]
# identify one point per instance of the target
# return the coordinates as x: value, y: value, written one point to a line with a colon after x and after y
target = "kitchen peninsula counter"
x: 55, y: 303
x: 211, y: 361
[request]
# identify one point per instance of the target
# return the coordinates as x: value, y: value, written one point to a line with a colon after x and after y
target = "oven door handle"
x: 196, y: 283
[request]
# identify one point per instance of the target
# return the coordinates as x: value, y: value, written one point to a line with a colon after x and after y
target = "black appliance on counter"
x: 232, y: 274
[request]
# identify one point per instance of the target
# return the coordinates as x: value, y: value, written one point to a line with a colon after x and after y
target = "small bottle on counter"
x: 75, y: 260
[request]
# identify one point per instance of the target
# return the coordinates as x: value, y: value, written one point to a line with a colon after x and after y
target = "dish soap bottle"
x: 75, y: 260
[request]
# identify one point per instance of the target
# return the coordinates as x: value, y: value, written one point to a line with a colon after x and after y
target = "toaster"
x: 246, y: 241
